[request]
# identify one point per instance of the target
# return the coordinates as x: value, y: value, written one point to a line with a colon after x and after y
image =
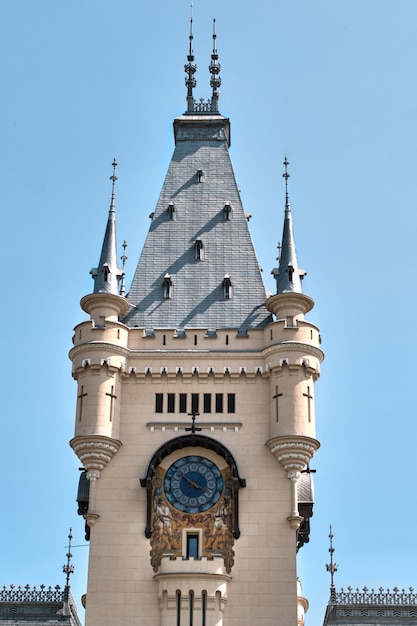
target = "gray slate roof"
x: 198, y: 214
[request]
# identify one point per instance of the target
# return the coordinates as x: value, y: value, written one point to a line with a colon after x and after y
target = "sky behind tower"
x: 332, y: 86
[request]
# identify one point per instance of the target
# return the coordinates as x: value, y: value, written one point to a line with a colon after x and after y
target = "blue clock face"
x: 193, y: 484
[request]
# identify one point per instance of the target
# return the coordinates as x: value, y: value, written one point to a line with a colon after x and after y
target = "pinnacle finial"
x: 190, y: 69
x: 214, y: 70
x: 286, y: 176
x: 68, y: 568
x: 123, y: 259
x: 113, y: 178
x: 331, y: 567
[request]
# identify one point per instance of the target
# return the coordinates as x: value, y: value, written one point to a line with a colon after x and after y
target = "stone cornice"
x: 294, y: 346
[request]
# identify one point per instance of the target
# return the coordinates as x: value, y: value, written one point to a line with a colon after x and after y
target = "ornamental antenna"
x: 190, y: 69
x: 68, y: 568
x: 113, y: 179
x: 332, y: 568
x: 214, y: 69
x: 286, y: 176
x: 123, y: 259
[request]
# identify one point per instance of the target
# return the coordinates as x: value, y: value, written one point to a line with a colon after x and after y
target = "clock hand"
x: 192, y: 483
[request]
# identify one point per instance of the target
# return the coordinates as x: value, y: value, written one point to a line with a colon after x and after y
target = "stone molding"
x: 293, y: 452
x: 95, y: 451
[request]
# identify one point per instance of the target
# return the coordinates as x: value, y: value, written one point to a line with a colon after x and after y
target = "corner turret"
x: 105, y: 302
x: 294, y: 365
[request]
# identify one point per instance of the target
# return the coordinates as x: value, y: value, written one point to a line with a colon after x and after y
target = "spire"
x: 68, y: 568
x: 288, y: 276
x: 332, y: 568
x: 107, y: 275
x: 214, y: 70
x: 190, y: 69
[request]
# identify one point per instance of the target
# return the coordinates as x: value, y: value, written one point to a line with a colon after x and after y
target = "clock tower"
x: 195, y: 419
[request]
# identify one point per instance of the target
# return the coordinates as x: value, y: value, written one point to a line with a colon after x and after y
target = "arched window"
x: 106, y: 272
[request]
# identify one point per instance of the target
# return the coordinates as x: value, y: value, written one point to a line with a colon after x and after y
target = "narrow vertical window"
x: 219, y: 403
x: 192, y: 546
x: 171, y: 403
x: 207, y: 403
x: 191, y: 608
x: 194, y: 402
x: 203, y: 608
x: 159, y: 402
x: 290, y: 270
x: 183, y: 403
x: 178, y: 608
x: 198, y: 250
x: 231, y: 403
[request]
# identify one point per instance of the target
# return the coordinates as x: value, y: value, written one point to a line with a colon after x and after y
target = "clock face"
x: 193, y: 484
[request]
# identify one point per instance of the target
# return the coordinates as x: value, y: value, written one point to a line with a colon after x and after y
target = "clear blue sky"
x: 331, y: 85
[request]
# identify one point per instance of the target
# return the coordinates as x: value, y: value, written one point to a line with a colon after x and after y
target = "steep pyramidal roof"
x: 288, y: 275
x: 198, y: 267
x: 107, y: 275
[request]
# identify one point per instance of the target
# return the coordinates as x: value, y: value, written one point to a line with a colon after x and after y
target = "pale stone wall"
x: 272, y: 374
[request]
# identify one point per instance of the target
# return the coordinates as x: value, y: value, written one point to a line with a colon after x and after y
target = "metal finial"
x: 190, y: 69
x: 214, y: 70
x: 113, y: 178
x: 214, y: 37
x: 123, y: 259
x: 286, y: 176
x: 68, y: 568
x: 332, y: 567
x: 191, y: 51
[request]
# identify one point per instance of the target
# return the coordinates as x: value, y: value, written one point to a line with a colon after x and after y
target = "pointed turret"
x: 289, y: 301
x: 107, y: 301
x: 288, y: 276
x: 107, y: 275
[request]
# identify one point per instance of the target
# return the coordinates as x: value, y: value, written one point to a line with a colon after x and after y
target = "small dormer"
x: 227, y: 211
x: 198, y: 250
x: 167, y: 287
x: 227, y: 287
x: 171, y: 211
